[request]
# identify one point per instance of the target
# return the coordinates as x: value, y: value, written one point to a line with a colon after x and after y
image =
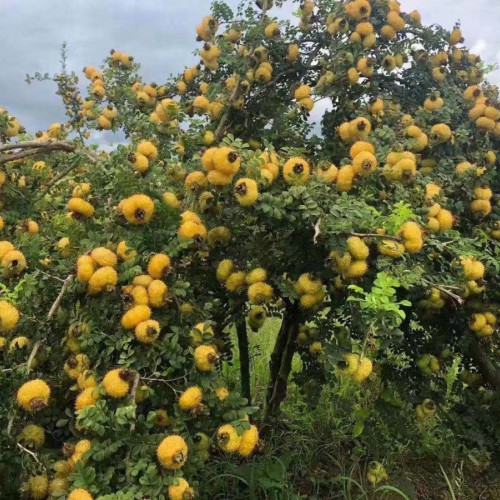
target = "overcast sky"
x: 160, y: 35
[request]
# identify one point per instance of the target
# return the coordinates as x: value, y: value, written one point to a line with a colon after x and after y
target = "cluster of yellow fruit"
x: 105, y: 119
x: 426, y: 409
x: 400, y: 166
x: 483, y: 324
x: 270, y: 166
x: 410, y: 240
x: 13, y: 261
x: 137, y: 209
x: 484, y: 113
x: 172, y: 452
x: 210, y: 56
x: 14, y: 127
x: 89, y: 109
x: 355, y: 367
x: 213, y: 109
x: 310, y: 291
x: 54, y: 131
x: 481, y: 206
x: 40, y: 487
x: 258, y: 291
x: 164, y: 116
x: 146, y: 94
x: 439, y: 219
x: 120, y: 59
x: 145, y: 152
x: 98, y: 270
x: 221, y: 165
x: 230, y: 441
x: 207, y: 28
x: 97, y: 79
x: 191, y: 227
x: 351, y: 264
x: 187, y: 77
x: 302, y: 95
x: 429, y: 364
x: 308, y: 337
x: 435, y: 300
x: 306, y: 14
x: 357, y: 129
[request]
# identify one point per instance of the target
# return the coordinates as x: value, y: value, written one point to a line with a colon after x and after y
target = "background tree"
x: 374, y: 241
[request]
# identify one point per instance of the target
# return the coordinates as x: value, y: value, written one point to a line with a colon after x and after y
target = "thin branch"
x: 317, y: 230
x: 51, y: 313
x: 134, y: 386
x: 59, y: 298
x: 31, y: 148
x: 224, y: 117
x: 376, y: 235
x: 56, y: 179
x: 33, y: 354
x: 37, y: 144
x: 28, y: 451
x: 446, y: 291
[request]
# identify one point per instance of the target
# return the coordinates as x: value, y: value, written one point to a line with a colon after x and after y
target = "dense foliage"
x: 373, y: 234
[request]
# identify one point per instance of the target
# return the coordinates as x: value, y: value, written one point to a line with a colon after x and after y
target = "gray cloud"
x: 160, y: 34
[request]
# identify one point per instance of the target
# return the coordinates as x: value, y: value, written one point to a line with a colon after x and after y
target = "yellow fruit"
x: 357, y: 269
x: 32, y: 436
x: 191, y: 398
x: 248, y: 441
x: 124, y: 252
x: 235, y: 281
x: 259, y: 293
x: 105, y: 278
x: 180, y: 490
x: 9, y: 316
x: 364, y: 369
x: 33, y: 395
x: 104, y: 257
x: 137, y: 209
x: 80, y: 494
x: 357, y: 248
x: 391, y: 248
x: 147, y: 331
x: 116, y: 382
x: 256, y: 275
x: 158, y: 265
x: 228, y: 439
x: 81, y: 207
x: 205, y: 357
x: 296, y: 171
x: 88, y: 397
x: 135, y: 315
x: 172, y: 452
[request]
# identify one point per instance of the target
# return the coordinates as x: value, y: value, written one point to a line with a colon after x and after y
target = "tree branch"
x: 51, y: 313
x: 241, y: 331
x: 30, y: 148
x: 59, y: 298
x: 56, y: 179
x: 28, y: 451
x: 488, y: 370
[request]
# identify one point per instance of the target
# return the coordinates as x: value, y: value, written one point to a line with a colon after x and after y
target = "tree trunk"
x: 281, y: 363
x: 487, y: 369
x: 241, y: 331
